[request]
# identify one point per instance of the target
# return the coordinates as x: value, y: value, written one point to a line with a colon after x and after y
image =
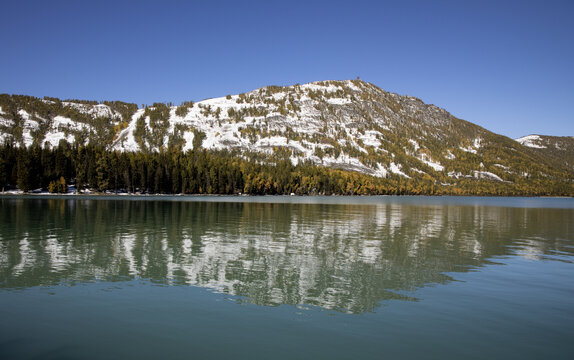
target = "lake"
x: 176, y: 277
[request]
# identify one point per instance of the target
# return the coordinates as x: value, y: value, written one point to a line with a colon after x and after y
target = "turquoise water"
x: 286, y: 277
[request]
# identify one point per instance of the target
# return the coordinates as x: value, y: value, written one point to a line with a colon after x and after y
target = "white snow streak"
x: 531, y: 141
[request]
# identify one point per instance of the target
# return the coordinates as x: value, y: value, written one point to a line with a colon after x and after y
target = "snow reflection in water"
x: 348, y: 257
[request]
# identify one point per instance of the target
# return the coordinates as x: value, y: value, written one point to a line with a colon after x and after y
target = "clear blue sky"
x: 505, y: 65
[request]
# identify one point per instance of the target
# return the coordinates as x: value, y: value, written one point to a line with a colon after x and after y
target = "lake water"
x: 286, y: 277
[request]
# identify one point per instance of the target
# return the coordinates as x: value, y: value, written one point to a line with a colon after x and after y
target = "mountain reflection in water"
x: 344, y: 257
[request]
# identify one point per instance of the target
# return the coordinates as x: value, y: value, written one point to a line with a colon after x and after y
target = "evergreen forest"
x: 222, y: 172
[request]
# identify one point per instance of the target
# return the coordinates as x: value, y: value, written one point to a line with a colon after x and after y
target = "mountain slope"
x: 558, y: 149
x: 350, y: 125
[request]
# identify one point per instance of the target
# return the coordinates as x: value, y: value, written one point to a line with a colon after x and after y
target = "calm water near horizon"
x: 178, y: 277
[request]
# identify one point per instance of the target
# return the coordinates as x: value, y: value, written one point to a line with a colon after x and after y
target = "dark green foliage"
x: 140, y: 133
x: 198, y: 137
x: 28, y: 169
x: 159, y: 123
x: 125, y: 109
x: 153, y: 138
x: 183, y: 109
x: 221, y: 172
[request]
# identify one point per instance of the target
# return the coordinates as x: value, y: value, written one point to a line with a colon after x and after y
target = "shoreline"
x: 127, y: 194
x: 340, y: 200
x: 96, y: 194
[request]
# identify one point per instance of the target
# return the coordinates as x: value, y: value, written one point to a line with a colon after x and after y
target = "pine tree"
x: 25, y: 172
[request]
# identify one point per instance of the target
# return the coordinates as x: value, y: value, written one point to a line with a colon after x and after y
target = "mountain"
x: 349, y: 125
x: 558, y: 149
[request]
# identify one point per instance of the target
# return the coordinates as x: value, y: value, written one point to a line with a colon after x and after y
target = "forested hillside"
x: 332, y: 137
x: 559, y: 150
x: 224, y: 172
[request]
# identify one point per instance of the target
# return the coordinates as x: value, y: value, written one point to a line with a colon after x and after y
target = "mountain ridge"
x: 350, y: 125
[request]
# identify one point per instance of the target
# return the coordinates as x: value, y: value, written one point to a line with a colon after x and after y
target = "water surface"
x: 286, y: 277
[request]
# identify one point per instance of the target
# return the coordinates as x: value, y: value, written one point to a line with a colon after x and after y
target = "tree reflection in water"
x: 336, y: 256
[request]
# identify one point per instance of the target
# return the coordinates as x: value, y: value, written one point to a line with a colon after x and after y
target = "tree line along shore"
x: 224, y: 172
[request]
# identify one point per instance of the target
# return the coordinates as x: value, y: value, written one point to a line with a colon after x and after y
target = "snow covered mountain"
x: 350, y: 125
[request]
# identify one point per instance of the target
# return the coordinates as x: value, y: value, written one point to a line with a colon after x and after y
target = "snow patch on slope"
x: 58, y: 131
x: 99, y: 110
x: 477, y: 143
x: 6, y: 122
x: 126, y: 140
x: 370, y: 138
x: 396, y: 168
x: 416, y: 145
x: 486, y: 175
x: 188, y: 137
x: 28, y: 127
x: 427, y: 160
x: 338, y: 101
x: 531, y: 141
